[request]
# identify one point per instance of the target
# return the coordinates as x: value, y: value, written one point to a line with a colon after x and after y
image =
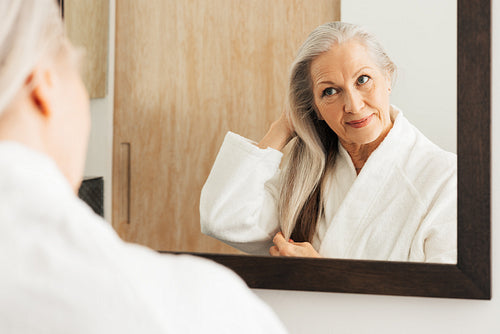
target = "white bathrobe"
x: 64, y: 269
x: 401, y: 207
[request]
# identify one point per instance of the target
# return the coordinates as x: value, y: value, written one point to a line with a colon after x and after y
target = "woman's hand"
x: 290, y: 248
x: 280, y: 133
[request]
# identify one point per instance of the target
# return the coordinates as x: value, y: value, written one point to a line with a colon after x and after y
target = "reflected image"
x: 303, y: 128
x: 342, y: 173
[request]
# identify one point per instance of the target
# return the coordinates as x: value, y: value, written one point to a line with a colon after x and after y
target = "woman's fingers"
x: 279, y: 240
x: 290, y: 248
x: 278, y: 135
x: 274, y: 251
x: 282, y: 247
x: 305, y: 249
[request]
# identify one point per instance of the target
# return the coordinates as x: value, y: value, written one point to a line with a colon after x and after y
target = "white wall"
x: 315, y: 312
x: 421, y: 38
x: 100, y: 149
x: 306, y: 312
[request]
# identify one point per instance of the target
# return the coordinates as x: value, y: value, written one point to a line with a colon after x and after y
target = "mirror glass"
x: 225, y: 67
x: 421, y: 38
x: 389, y: 215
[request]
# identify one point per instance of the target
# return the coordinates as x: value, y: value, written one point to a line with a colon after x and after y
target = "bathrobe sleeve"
x: 437, y: 235
x: 238, y: 203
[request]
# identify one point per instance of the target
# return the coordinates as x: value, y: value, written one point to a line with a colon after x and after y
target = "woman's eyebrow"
x: 327, y: 82
x: 361, y: 70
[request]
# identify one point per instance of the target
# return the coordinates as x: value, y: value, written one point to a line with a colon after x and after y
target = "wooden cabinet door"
x: 187, y: 71
x: 87, y: 25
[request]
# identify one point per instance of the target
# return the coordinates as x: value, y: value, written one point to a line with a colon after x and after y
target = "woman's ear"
x: 389, y: 82
x: 40, y: 82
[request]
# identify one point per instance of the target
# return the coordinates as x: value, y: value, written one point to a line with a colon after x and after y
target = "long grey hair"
x: 314, y: 149
x: 29, y: 29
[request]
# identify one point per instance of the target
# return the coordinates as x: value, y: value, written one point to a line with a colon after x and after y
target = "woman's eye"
x: 329, y: 92
x: 363, y: 79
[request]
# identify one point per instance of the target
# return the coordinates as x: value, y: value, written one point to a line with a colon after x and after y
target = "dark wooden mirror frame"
x: 470, y: 278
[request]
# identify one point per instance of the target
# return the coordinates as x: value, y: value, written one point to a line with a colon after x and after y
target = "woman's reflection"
x: 359, y: 181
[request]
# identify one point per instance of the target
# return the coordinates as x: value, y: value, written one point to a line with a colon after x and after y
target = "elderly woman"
x: 64, y: 269
x: 359, y: 181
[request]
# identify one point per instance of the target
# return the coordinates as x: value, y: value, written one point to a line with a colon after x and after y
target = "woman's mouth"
x: 359, y: 123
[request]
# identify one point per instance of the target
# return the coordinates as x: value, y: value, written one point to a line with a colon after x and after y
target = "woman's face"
x: 351, y: 93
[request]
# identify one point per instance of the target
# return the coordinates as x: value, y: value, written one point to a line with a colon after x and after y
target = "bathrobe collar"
x: 365, y: 187
x: 390, y: 140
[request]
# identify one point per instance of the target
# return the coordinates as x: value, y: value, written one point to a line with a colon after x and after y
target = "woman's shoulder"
x: 422, y: 149
x: 424, y: 164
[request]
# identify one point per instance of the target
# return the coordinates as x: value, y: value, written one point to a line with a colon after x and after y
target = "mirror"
x: 402, y: 205
x: 470, y: 277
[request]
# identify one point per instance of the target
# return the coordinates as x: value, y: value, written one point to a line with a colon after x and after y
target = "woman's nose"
x: 353, y: 101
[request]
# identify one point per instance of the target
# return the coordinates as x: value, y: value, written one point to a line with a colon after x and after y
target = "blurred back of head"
x: 29, y: 31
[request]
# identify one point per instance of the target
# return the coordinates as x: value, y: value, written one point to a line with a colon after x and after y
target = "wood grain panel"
x: 186, y: 73
x: 87, y: 24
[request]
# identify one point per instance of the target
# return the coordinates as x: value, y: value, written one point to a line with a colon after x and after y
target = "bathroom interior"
x: 168, y: 79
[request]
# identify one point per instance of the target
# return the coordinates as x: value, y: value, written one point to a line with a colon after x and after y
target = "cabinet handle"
x: 124, y: 183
